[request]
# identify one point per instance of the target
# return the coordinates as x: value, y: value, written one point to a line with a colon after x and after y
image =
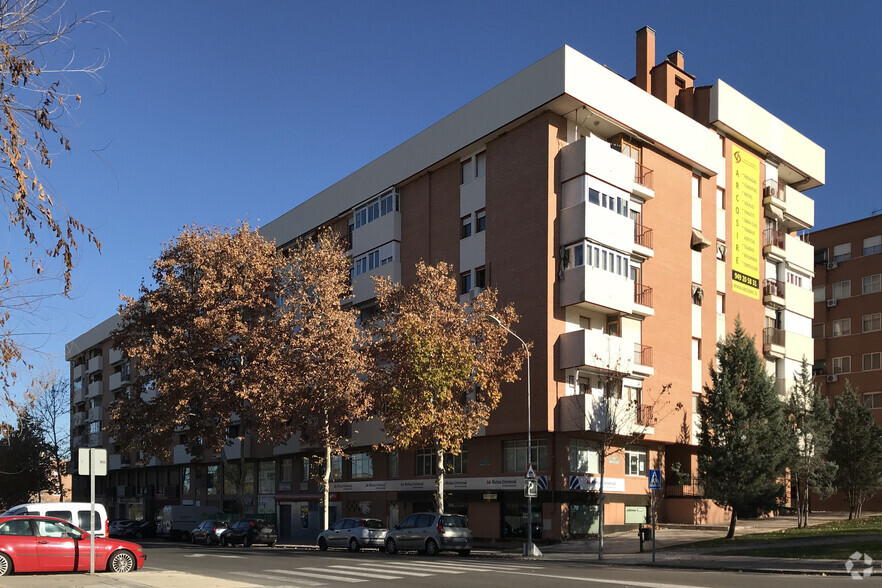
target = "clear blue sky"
x: 215, y: 111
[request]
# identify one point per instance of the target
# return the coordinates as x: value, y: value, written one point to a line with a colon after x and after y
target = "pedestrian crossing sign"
x: 530, y: 475
x: 655, y: 479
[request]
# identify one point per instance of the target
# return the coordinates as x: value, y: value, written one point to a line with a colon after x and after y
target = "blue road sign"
x: 655, y: 479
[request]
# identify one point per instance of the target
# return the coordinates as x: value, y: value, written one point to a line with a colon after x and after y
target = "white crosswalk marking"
x: 456, y: 567
x: 435, y: 569
x: 381, y: 568
x: 349, y: 570
x: 278, y: 579
x: 329, y: 577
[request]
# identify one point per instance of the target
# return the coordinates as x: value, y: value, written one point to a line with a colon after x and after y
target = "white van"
x: 72, y: 512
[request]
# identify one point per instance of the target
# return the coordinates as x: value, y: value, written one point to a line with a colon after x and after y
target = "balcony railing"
x: 643, y: 175
x: 642, y: 355
x: 346, y: 242
x: 644, y: 415
x: 775, y: 238
x: 694, y: 489
x: 774, y: 189
x: 773, y: 336
x: 643, y: 236
x: 643, y: 295
x: 773, y: 288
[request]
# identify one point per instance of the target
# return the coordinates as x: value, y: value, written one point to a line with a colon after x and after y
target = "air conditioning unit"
x: 473, y: 293
x: 771, y: 191
x: 833, y: 378
x: 831, y: 302
x: 831, y: 265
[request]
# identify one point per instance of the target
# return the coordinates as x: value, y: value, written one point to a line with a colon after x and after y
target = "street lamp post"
x: 530, y: 548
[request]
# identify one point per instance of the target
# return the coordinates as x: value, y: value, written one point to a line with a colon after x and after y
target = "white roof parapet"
x: 90, y: 338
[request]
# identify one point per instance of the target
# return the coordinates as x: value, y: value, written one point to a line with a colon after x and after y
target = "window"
x: 872, y: 361
x: 696, y: 186
x: 19, y: 527
x: 456, y: 464
x: 635, y: 461
x: 818, y: 331
x: 819, y: 293
x: 721, y: 199
x: 584, y: 322
x: 842, y: 365
x: 480, y: 278
x: 679, y: 82
x: 821, y: 256
x: 286, y: 472
x: 465, y: 281
x: 480, y: 221
x: 842, y: 327
x: 480, y: 164
x: 841, y: 252
x: 583, y: 457
x: 95, y: 427
x: 871, y: 284
x: 211, y: 480
x: 872, y: 399
x: 336, y: 468
x: 376, y: 208
x: 871, y: 322
x: 362, y: 466
x: 697, y: 294
x: 721, y: 251
x: 795, y: 279
x: 426, y: 460
x: 842, y: 289
x: 583, y: 386
x: 819, y: 368
x: 696, y: 348
x: 468, y: 171
x: 593, y: 196
x: 514, y: 455
x: 612, y: 325
x: 186, y: 481
x: 393, y: 464
x: 304, y: 469
x: 473, y: 167
x: 873, y: 245
x: 266, y: 477
x: 466, y: 230
x: 721, y: 303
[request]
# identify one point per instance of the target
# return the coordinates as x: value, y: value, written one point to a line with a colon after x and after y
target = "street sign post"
x: 654, y: 484
x: 92, y: 461
x: 531, y: 488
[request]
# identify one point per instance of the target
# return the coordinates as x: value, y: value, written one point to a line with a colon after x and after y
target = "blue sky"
x: 210, y: 112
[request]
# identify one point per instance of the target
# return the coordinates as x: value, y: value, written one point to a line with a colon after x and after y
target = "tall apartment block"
x: 629, y: 221
x: 847, y: 325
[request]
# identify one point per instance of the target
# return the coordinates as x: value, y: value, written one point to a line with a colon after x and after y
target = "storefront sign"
x: 593, y: 483
x: 747, y: 246
x: 498, y: 483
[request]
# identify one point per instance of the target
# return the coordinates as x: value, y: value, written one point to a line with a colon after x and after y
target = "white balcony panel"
x: 798, y: 346
x: 472, y: 196
x: 95, y: 414
x: 593, y: 349
x: 115, y: 355
x: 115, y: 381
x: 587, y: 412
x: 721, y: 276
x: 79, y: 396
x: 78, y: 371
x: 800, y: 212
x: 696, y: 375
x: 721, y: 326
x: 375, y: 233
x: 696, y: 428
x: 696, y: 266
x: 721, y: 224
x: 180, y: 455
x: 95, y: 364
x: 114, y: 461
x: 696, y: 318
x: 696, y: 213
x: 363, y: 286
x: 597, y: 289
x: 799, y: 300
x: 95, y: 389
x: 800, y: 254
x: 594, y: 156
x: 94, y: 439
x: 78, y: 419
x: 586, y: 220
x: 471, y: 252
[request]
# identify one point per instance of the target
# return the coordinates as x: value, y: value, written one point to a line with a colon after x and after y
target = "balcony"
x: 642, y: 360
x: 95, y: 414
x: 642, y: 241
x: 643, y: 300
x: 77, y: 441
x: 94, y: 439
x: 773, y: 244
x: 773, y: 342
x: 643, y: 182
x: 800, y: 211
x: 79, y: 395
x: 116, y: 380
x: 78, y: 371
x: 800, y: 253
x: 773, y: 199
x: 78, y: 419
x: 95, y: 364
x: 773, y: 293
x: 94, y: 390
x: 115, y: 355
x: 596, y: 289
x: 596, y: 351
x: 589, y: 412
x: 581, y: 219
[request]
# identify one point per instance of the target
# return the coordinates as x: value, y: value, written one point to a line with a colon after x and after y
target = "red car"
x: 44, y: 544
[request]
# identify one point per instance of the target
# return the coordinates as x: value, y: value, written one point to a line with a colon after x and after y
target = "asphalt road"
x: 173, y: 565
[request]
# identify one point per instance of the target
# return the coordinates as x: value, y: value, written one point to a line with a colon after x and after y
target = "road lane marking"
x: 352, y: 572
x: 329, y: 577
x: 381, y: 568
x: 426, y: 568
x: 600, y: 581
x: 278, y: 578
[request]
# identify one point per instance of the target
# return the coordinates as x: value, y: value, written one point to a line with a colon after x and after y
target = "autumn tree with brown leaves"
x: 438, y: 363
x: 34, y: 98
x: 324, y: 354
x: 205, y: 342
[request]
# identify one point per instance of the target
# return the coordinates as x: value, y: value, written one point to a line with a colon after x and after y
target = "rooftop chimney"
x: 677, y: 59
x: 645, y: 58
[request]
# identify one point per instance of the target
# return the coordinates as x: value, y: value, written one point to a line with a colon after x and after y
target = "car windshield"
x: 373, y: 524
x: 453, y: 521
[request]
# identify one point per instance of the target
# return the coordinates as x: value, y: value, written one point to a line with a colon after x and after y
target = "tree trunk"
x: 795, y: 481
x: 439, y: 482
x: 600, y: 507
x: 731, y: 532
x: 326, y: 479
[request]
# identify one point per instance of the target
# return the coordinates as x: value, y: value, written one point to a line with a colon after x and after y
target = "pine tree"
x: 25, y: 462
x: 741, y: 457
x: 809, y: 413
x: 857, y: 450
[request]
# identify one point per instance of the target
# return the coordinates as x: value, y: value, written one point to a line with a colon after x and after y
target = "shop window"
x: 514, y: 456
x: 584, y: 457
x: 635, y: 461
x: 362, y: 465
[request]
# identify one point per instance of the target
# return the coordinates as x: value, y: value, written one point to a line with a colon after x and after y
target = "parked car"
x: 123, y: 528
x: 354, y: 534
x: 72, y: 512
x: 208, y: 532
x: 146, y: 528
x: 250, y: 531
x: 175, y: 521
x: 42, y: 544
x: 430, y: 533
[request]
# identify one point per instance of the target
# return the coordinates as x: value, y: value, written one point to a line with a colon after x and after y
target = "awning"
x: 698, y: 240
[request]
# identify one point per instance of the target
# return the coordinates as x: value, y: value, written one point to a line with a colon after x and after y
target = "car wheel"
x: 207, y: 539
x: 271, y: 544
x: 193, y: 539
x: 353, y: 545
x: 464, y: 552
x: 122, y: 562
x: 391, y: 547
x: 323, y: 545
x: 5, y: 565
x: 431, y: 547
x: 246, y: 541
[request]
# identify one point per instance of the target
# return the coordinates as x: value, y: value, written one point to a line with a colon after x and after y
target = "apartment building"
x: 847, y: 327
x: 630, y: 221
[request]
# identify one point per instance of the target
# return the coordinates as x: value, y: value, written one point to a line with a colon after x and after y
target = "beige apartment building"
x: 630, y: 221
x: 847, y: 325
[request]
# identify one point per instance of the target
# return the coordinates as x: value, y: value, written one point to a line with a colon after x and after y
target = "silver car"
x: 431, y: 533
x: 354, y: 534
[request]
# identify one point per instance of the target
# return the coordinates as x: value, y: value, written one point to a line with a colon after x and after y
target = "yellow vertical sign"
x: 746, y: 244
